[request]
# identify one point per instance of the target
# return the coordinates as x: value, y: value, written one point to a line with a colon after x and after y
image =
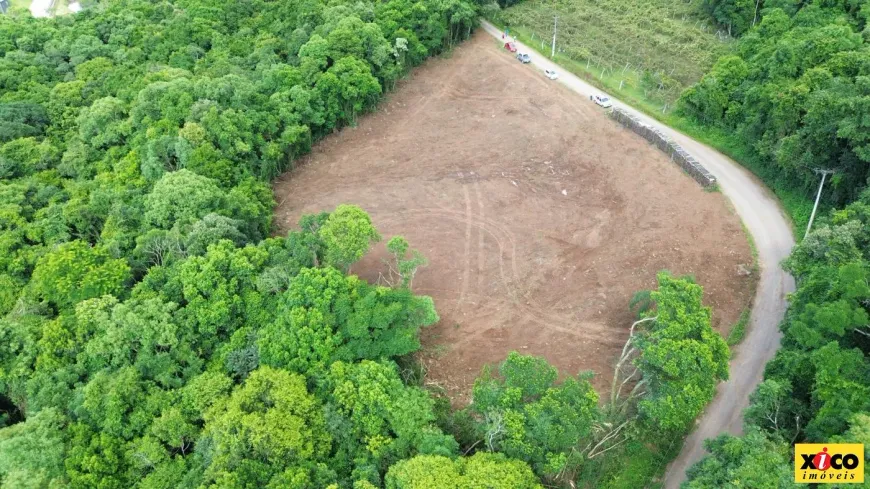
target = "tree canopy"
x: 794, y: 93
x: 682, y: 358
x: 152, y: 334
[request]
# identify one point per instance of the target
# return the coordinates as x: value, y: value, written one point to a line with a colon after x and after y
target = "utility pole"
x: 553, y: 52
x: 754, y: 18
x: 824, y: 173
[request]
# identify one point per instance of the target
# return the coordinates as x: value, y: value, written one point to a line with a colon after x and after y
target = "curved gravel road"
x: 770, y: 228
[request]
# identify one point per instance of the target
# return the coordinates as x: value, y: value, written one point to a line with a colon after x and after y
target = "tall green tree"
x: 378, y: 420
x: 480, y: 471
x: 265, y: 427
x: 792, y: 93
x: 748, y: 461
x: 32, y: 452
x: 76, y: 271
x: 347, y: 235
x: 182, y: 196
x: 522, y: 412
x: 681, y: 357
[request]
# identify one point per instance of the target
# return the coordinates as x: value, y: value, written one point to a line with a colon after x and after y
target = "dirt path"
x: 539, y: 215
x: 770, y: 228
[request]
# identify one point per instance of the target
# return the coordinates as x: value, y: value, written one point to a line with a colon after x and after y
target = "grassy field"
x: 20, y: 4
x: 655, y: 47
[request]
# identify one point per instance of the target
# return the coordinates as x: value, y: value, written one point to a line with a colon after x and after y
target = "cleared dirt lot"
x: 540, y: 217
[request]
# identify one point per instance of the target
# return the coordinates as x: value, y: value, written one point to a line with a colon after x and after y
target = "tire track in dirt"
x: 466, y: 270
x: 477, y: 300
x: 508, y: 273
x: 481, y: 245
x: 462, y: 93
x: 507, y: 234
x: 445, y: 89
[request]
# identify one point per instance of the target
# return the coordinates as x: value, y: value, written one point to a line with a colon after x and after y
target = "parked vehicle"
x: 601, y: 100
x: 510, y: 47
x: 551, y: 74
x: 524, y: 58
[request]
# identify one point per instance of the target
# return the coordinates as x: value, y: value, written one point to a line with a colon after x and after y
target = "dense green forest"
x: 153, y: 334
x: 156, y: 334
x: 797, y: 94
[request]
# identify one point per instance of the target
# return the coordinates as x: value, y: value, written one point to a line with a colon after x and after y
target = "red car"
x: 510, y: 47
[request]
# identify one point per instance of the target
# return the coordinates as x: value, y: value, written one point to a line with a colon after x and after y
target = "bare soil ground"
x: 540, y: 216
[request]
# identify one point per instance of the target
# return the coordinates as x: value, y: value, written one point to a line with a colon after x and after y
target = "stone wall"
x: 686, y: 161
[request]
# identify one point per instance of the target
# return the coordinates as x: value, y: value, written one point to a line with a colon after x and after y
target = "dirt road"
x: 770, y: 228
